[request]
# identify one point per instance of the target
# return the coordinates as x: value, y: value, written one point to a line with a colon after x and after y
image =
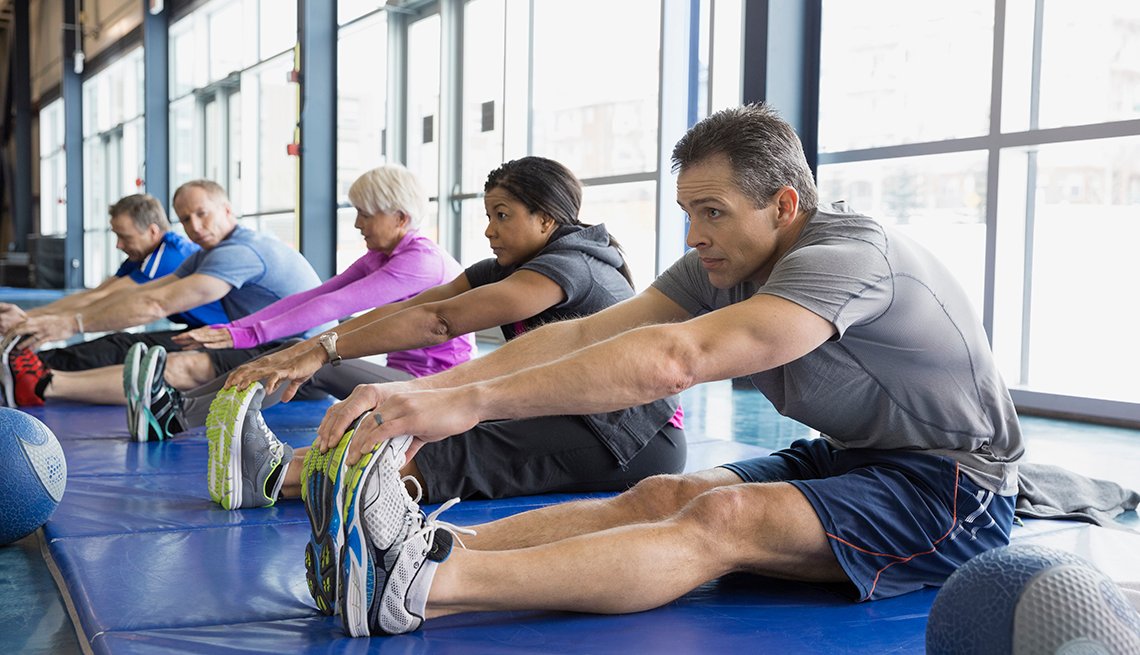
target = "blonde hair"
x: 390, y: 188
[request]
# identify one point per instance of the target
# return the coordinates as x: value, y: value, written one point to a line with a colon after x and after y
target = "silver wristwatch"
x: 328, y: 342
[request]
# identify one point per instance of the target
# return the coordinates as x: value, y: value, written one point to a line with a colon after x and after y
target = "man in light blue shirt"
x: 153, y: 250
x: 243, y: 270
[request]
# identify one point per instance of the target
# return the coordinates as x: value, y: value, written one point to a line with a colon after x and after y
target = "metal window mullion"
x: 316, y: 180
x: 530, y: 83
x: 1089, y: 132
x: 156, y: 103
x: 993, y: 166
x: 450, y: 123
x: 71, y: 89
x: 20, y: 105
x: 395, y: 124
x: 677, y: 21
x: 710, y: 80
x: 1031, y: 193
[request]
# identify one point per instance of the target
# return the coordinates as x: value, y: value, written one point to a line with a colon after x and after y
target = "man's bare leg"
x: 652, y: 499
x: 104, y: 385
x: 762, y: 528
x: 186, y: 370
x: 99, y: 386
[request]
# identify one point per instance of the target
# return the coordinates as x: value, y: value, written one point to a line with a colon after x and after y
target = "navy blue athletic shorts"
x: 897, y: 521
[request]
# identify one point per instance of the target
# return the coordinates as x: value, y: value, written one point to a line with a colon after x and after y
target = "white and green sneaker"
x: 247, y: 462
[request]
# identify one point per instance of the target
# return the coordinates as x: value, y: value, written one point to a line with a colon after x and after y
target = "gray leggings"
x: 337, y: 381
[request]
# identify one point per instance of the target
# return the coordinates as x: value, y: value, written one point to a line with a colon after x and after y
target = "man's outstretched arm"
x: 632, y: 368
x: 128, y: 308
x: 11, y: 315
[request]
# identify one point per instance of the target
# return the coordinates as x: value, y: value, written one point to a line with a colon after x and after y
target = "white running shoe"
x: 383, y: 525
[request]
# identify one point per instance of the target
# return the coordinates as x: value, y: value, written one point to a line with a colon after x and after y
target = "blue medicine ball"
x: 1024, y: 599
x: 33, y: 474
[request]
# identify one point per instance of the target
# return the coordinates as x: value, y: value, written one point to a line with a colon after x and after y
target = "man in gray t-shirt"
x: 843, y: 324
x: 908, y: 367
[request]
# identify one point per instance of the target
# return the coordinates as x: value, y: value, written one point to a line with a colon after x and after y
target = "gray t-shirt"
x: 910, y: 367
x: 260, y: 268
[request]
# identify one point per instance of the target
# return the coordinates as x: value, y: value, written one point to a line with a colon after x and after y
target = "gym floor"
x: 35, y: 620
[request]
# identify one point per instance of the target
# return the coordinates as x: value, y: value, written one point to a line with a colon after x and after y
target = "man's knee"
x: 186, y: 370
x: 728, y: 507
x: 660, y: 496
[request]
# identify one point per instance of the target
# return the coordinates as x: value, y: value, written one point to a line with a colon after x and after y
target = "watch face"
x: 328, y: 342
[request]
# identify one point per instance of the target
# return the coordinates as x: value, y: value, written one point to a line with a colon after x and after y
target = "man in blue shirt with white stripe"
x: 143, y: 234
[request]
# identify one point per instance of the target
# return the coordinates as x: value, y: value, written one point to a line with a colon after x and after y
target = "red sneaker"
x: 27, y: 372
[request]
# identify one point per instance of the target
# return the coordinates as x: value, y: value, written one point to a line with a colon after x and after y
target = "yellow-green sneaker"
x: 247, y: 462
x: 323, y: 493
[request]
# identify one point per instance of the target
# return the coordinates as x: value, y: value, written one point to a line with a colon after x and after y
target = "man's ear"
x: 787, y: 205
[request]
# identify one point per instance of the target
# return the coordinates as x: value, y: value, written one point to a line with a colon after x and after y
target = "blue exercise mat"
x: 149, y: 565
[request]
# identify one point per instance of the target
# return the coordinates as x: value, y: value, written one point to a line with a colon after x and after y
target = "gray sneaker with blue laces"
x: 131, y: 367
x: 159, y: 405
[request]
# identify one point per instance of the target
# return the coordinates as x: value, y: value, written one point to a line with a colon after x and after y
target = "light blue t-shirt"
x: 260, y: 268
x: 164, y: 260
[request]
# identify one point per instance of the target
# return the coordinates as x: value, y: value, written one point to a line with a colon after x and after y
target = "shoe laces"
x: 272, y: 443
x: 432, y: 523
x: 415, y: 483
x: 26, y: 362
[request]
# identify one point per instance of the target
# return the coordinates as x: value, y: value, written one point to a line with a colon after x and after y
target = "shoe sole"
x: 358, y: 571
x: 142, y: 409
x: 214, y: 472
x: 131, y: 386
x: 323, y: 496
x: 6, y: 379
x: 227, y: 417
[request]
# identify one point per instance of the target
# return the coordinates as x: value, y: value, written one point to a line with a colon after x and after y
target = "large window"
x: 112, y: 157
x: 483, y: 86
x: 248, y: 46
x: 880, y: 85
x: 597, y: 122
x: 424, y: 126
x: 601, y: 120
x: 721, y: 41
x: 469, y: 84
x: 53, y: 180
x: 1097, y: 82
x: 362, y: 95
x: 1062, y: 313
x: 1033, y: 207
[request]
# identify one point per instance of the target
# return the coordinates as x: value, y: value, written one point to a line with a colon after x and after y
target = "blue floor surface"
x: 149, y: 565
